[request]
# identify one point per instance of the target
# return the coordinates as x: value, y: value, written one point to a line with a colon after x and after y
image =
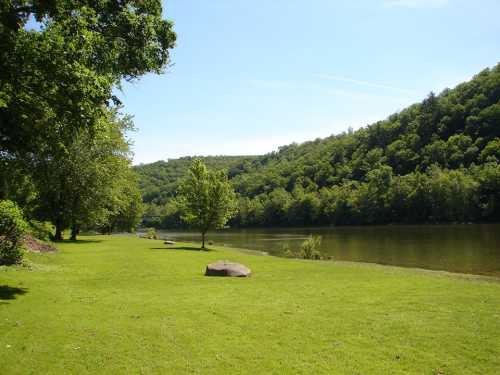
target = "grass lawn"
x: 123, y: 305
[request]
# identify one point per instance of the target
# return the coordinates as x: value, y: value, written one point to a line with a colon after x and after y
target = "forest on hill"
x: 436, y: 161
x: 159, y: 181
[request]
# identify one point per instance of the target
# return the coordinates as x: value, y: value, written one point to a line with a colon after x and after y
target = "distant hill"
x: 435, y: 161
x: 158, y: 181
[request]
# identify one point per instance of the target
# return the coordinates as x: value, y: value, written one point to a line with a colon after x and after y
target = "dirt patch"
x: 32, y: 244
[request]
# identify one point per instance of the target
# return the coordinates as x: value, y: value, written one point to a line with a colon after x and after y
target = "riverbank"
x: 472, y: 249
x: 129, y: 305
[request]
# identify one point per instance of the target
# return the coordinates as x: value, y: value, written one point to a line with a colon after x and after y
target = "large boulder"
x: 226, y: 268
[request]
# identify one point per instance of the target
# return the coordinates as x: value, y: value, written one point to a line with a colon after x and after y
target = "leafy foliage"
x: 206, y: 198
x: 63, y: 153
x: 310, y: 248
x: 57, y: 78
x: 12, y: 229
x: 151, y: 234
x: 160, y: 181
x: 90, y: 185
x: 57, y: 107
x: 41, y: 230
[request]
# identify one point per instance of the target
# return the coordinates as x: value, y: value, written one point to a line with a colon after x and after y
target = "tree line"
x: 436, y: 161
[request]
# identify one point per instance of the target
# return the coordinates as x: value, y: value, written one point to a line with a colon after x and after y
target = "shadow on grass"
x: 79, y: 242
x: 8, y: 292
x: 182, y: 248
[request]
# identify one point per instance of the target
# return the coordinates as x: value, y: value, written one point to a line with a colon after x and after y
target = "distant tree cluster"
x: 64, y: 157
x: 434, y: 162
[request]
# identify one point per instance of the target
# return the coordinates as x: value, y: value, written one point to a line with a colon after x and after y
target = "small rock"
x: 226, y: 268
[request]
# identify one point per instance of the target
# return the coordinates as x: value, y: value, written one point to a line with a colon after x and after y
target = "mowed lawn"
x: 124, y: 305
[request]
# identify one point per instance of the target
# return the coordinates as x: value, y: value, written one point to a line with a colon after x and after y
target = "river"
x: 473, y: 248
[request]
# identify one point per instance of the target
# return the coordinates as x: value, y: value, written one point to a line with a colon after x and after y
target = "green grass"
x: 123, y: 305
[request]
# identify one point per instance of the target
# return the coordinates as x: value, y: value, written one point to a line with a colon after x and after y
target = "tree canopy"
x: 91, y: 182
x: 206, y: 199
x: 64, y: 156
x: 59, y: 78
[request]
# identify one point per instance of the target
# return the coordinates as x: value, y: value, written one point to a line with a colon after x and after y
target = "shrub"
x: 310, y: 248
x: 287, y: 252
x: 151, y: 234
x: 12, y: 229
x: 41, y: 230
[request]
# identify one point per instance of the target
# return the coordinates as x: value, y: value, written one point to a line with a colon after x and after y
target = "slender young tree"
x: 206, y: 198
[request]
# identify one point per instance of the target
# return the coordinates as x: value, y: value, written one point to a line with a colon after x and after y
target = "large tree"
x: 58, y: 77
x: 207, y: 199
x: 91, y: 183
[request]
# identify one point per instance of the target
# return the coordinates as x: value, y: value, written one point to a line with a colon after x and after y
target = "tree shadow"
x: 78, y: 242
x: 182, y: 248
x: 9, y: 293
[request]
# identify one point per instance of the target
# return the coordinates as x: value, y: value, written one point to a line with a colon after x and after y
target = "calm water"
x: 457, y: 248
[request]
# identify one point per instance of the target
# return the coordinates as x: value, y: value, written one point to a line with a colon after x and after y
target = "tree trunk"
x: 203, y: 240
x: 74, y: 232
x: 58, y: 235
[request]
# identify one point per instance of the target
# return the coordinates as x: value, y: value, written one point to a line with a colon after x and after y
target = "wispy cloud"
x: 359, y: 95
x: 272, y: 84
x: 321, y: 87
x: 415, y: 3
x: 364, y: 83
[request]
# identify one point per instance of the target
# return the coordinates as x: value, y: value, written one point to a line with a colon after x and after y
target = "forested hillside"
x: 159, y: 181
x: 435, y: 161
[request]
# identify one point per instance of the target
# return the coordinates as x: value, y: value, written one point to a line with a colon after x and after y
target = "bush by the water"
x: 310, y: 248
x: 12, y: 228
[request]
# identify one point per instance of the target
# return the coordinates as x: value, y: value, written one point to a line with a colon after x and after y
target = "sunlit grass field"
x: 124, y: 305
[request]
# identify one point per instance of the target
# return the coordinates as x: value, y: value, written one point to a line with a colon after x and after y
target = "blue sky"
x: 250, y: 76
